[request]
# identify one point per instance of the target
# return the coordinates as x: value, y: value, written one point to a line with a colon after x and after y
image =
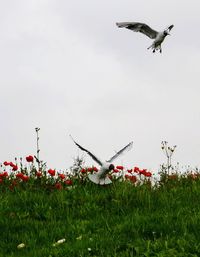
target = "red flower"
x: 83, y: 170
x: 148, y: 174
x: 20, y: 175
x: 52, y: 172
x: 143, y: 172
x: 130, y: 171
x: 11, y: 164
x: 133, y: 179
x: 95, y: 169
x: 29, y: 158
x: 25, y: 178
x: 58, y: 186
x: 116, y: 170
x: 68, y: 182
x: 14, y: 167
x: 136, y: 169
x: 120, y: 167
x: 4, y: 174
x: 62, y: 176
x: 89, y: 169
x: 39, y: 174
x: 6, y: 163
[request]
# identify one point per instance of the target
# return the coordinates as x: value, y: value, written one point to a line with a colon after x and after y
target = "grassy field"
x: 117, y: 220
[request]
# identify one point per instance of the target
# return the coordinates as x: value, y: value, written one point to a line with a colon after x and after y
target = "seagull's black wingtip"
x: 171, y: 27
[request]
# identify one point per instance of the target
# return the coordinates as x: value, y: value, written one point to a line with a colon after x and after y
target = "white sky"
x: 67, y: 68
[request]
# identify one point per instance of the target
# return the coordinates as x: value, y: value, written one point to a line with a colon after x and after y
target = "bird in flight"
x: 148, y: 31
x: 101, y: 177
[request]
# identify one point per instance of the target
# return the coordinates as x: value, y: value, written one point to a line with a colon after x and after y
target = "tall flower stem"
x: 38, y: 150
x: 168, y: 151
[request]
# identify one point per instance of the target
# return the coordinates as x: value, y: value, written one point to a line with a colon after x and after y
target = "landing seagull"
x: 145, y: 29
x: 101, y: 177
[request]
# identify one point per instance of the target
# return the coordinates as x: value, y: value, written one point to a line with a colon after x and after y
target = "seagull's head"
x: 111, y: 167
x: 166, y: 33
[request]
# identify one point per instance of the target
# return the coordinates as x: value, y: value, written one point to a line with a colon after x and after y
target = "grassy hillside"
x: 117, y: 220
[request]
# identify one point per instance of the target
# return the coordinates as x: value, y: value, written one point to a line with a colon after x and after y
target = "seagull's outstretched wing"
x: 91, y: 155
x: 138, y: 27
x: 123, y: 150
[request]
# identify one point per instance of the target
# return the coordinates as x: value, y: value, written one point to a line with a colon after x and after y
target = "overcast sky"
x: 67, y: 68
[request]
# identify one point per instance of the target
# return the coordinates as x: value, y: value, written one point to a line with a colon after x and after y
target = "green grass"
x: 118, y: 220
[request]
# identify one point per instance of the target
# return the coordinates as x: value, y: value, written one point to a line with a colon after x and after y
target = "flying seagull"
x: 149, y: 32
x: 101, y: 177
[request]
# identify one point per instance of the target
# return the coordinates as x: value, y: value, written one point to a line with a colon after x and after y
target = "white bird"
x: 145, y: 29
x: 101, y: 177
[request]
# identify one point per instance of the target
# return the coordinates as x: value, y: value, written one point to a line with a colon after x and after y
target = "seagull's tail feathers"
x: 100, y: 181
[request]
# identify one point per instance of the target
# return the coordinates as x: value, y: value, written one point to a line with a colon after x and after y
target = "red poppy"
x: 58, y: 186
x: 68, y: 182
x: 136, y: 169
x: 29, y: 158
x: 25, y: 178
x: 52, y: 172
x: 148, y: 174
x: 89, y: 169
x: 14, y: 167
x: 39, y: 174
x: 116, y: 170
x: 6, y: 163
x: 62, y: 176
x: 120, y: 167
x: 11, y: 164
x: 83, y: 170
x: 19, y: 175
x: 129, y: 171
x: 4, y: 174
x: 133, y: 179
x: 143, y: 172
x: 95, y: 169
